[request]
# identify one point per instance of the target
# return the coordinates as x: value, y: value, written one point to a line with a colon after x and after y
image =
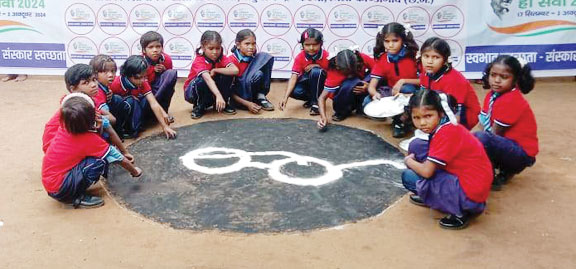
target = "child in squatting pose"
x: 395, y: 55
x: 456, y: 175
x: 510, y: 134
x: 133, y: 86
x: 78, y: 156
x: 252, y: 82
x: 209, y: 82
x: 161, y: 77
x: 308, y: 72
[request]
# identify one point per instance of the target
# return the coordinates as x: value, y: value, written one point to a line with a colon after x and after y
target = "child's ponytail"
x: 525, y: 80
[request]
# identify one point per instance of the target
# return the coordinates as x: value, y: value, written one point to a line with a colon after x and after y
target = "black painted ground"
x: 248, y: 201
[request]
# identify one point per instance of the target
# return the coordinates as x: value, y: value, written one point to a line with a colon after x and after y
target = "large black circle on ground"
x: 252, y: 200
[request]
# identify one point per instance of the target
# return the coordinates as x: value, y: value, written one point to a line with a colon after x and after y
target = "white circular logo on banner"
x: 243, y: 16
x: 281, y: 50
x: 448, y: 21
x: 368, y: 47
x: 80, y: 19
x: 181, y: 51
x: 177, y: 19
x: 456, y: 52
x: 417, y: 17
x: 115, y: 48
x: 276, y: 20
x: 210, y: 17
x: 144, y: 18
x: 340, y: 44
x: 374, y: 18
x: 112, y: 19
x: 309, y: 16
x: 136, y: 47
x: 343, y: 20
x: 81, y: 50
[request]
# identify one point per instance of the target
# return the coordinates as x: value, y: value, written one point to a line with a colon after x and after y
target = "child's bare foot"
x: 9, y: 77
x: 20, y: 78
x: 139, y: 172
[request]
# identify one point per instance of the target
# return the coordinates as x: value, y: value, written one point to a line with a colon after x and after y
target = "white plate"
x: 386, y: 107
x: 404, y: 144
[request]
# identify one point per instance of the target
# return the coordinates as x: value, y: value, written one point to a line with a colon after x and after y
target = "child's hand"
x: 159, y: 68
x: 220, y: 103
x: 361, y: 89
x: 409, y: 157
x: 310, y: 66
x: 254, y: 108
x: 377, y: 96
x: 138, y: 172
x: 322, y: 122
x: 170, y: 134
x: 282, y: 104
x: 212, y: 72
x: 129, y: 157
x: 397, y: 87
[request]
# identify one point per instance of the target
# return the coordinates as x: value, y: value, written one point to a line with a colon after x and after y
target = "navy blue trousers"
x: 310, y: 85
x: 163, y: 87
x: 80, y: 178
x: 345, y: 100
x: 256, y: 79
x: 198, y: 93
x: 504, y: 153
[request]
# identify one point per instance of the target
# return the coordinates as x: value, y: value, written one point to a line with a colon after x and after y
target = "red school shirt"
x: 202, y: 65
x: 100, y: 97
x: 384, y: 69
x: 67, y: 151
x: 300, y: 62
x: 51, y: 127
x: 455, y: 84
x: 164, y: 59
x: 242, y: 65
x: 334, y: 78
x: 123, y: 87
x: 460, y: 153
x: 511, y: 110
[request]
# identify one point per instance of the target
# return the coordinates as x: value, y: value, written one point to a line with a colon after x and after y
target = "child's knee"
x: 317, y: 72
x: 409, y: 179
x: 483, y: 136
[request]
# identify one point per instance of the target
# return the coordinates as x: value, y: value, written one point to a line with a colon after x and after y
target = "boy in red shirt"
x: 161, y: 76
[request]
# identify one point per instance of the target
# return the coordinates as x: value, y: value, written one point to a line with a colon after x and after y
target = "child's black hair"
x: 400, y: 31
x: 348, y: 62
x: 311, y: 33
x: 439, y: 45
x: 522, y: 74
x: 99, y: 62
x: 150, y: 37
x: 207, y: 37
x: 134, y: 65
x: 77, y: 73
x: 77, y: 115
x: 240, y: 36
x: 431, y: 99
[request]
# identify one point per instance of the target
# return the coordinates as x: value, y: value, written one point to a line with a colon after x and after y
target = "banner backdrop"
x: 46, y: 36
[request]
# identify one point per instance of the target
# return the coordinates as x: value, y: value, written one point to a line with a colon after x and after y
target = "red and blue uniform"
x: 454, y: 83
x: 162, y: 84
x: 310, y: 84
x: 518, y: 147
x: 462, y: 183
x: 196, y: 90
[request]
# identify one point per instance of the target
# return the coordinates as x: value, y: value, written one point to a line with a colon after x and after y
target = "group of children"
x: 452, y: 170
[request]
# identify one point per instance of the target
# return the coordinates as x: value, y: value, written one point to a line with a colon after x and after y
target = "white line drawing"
x: 333, y: 172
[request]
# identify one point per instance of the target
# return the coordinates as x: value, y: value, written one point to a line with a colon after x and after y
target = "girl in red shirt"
x: 395, y: 56
x: 210, y: 79
x: 510, y: 132
x: 345, y: 84
x: 252, y: 82
x: 456, y: 175
x: 439, y: 75
x: 308, y: 71
x: 78, y: 156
